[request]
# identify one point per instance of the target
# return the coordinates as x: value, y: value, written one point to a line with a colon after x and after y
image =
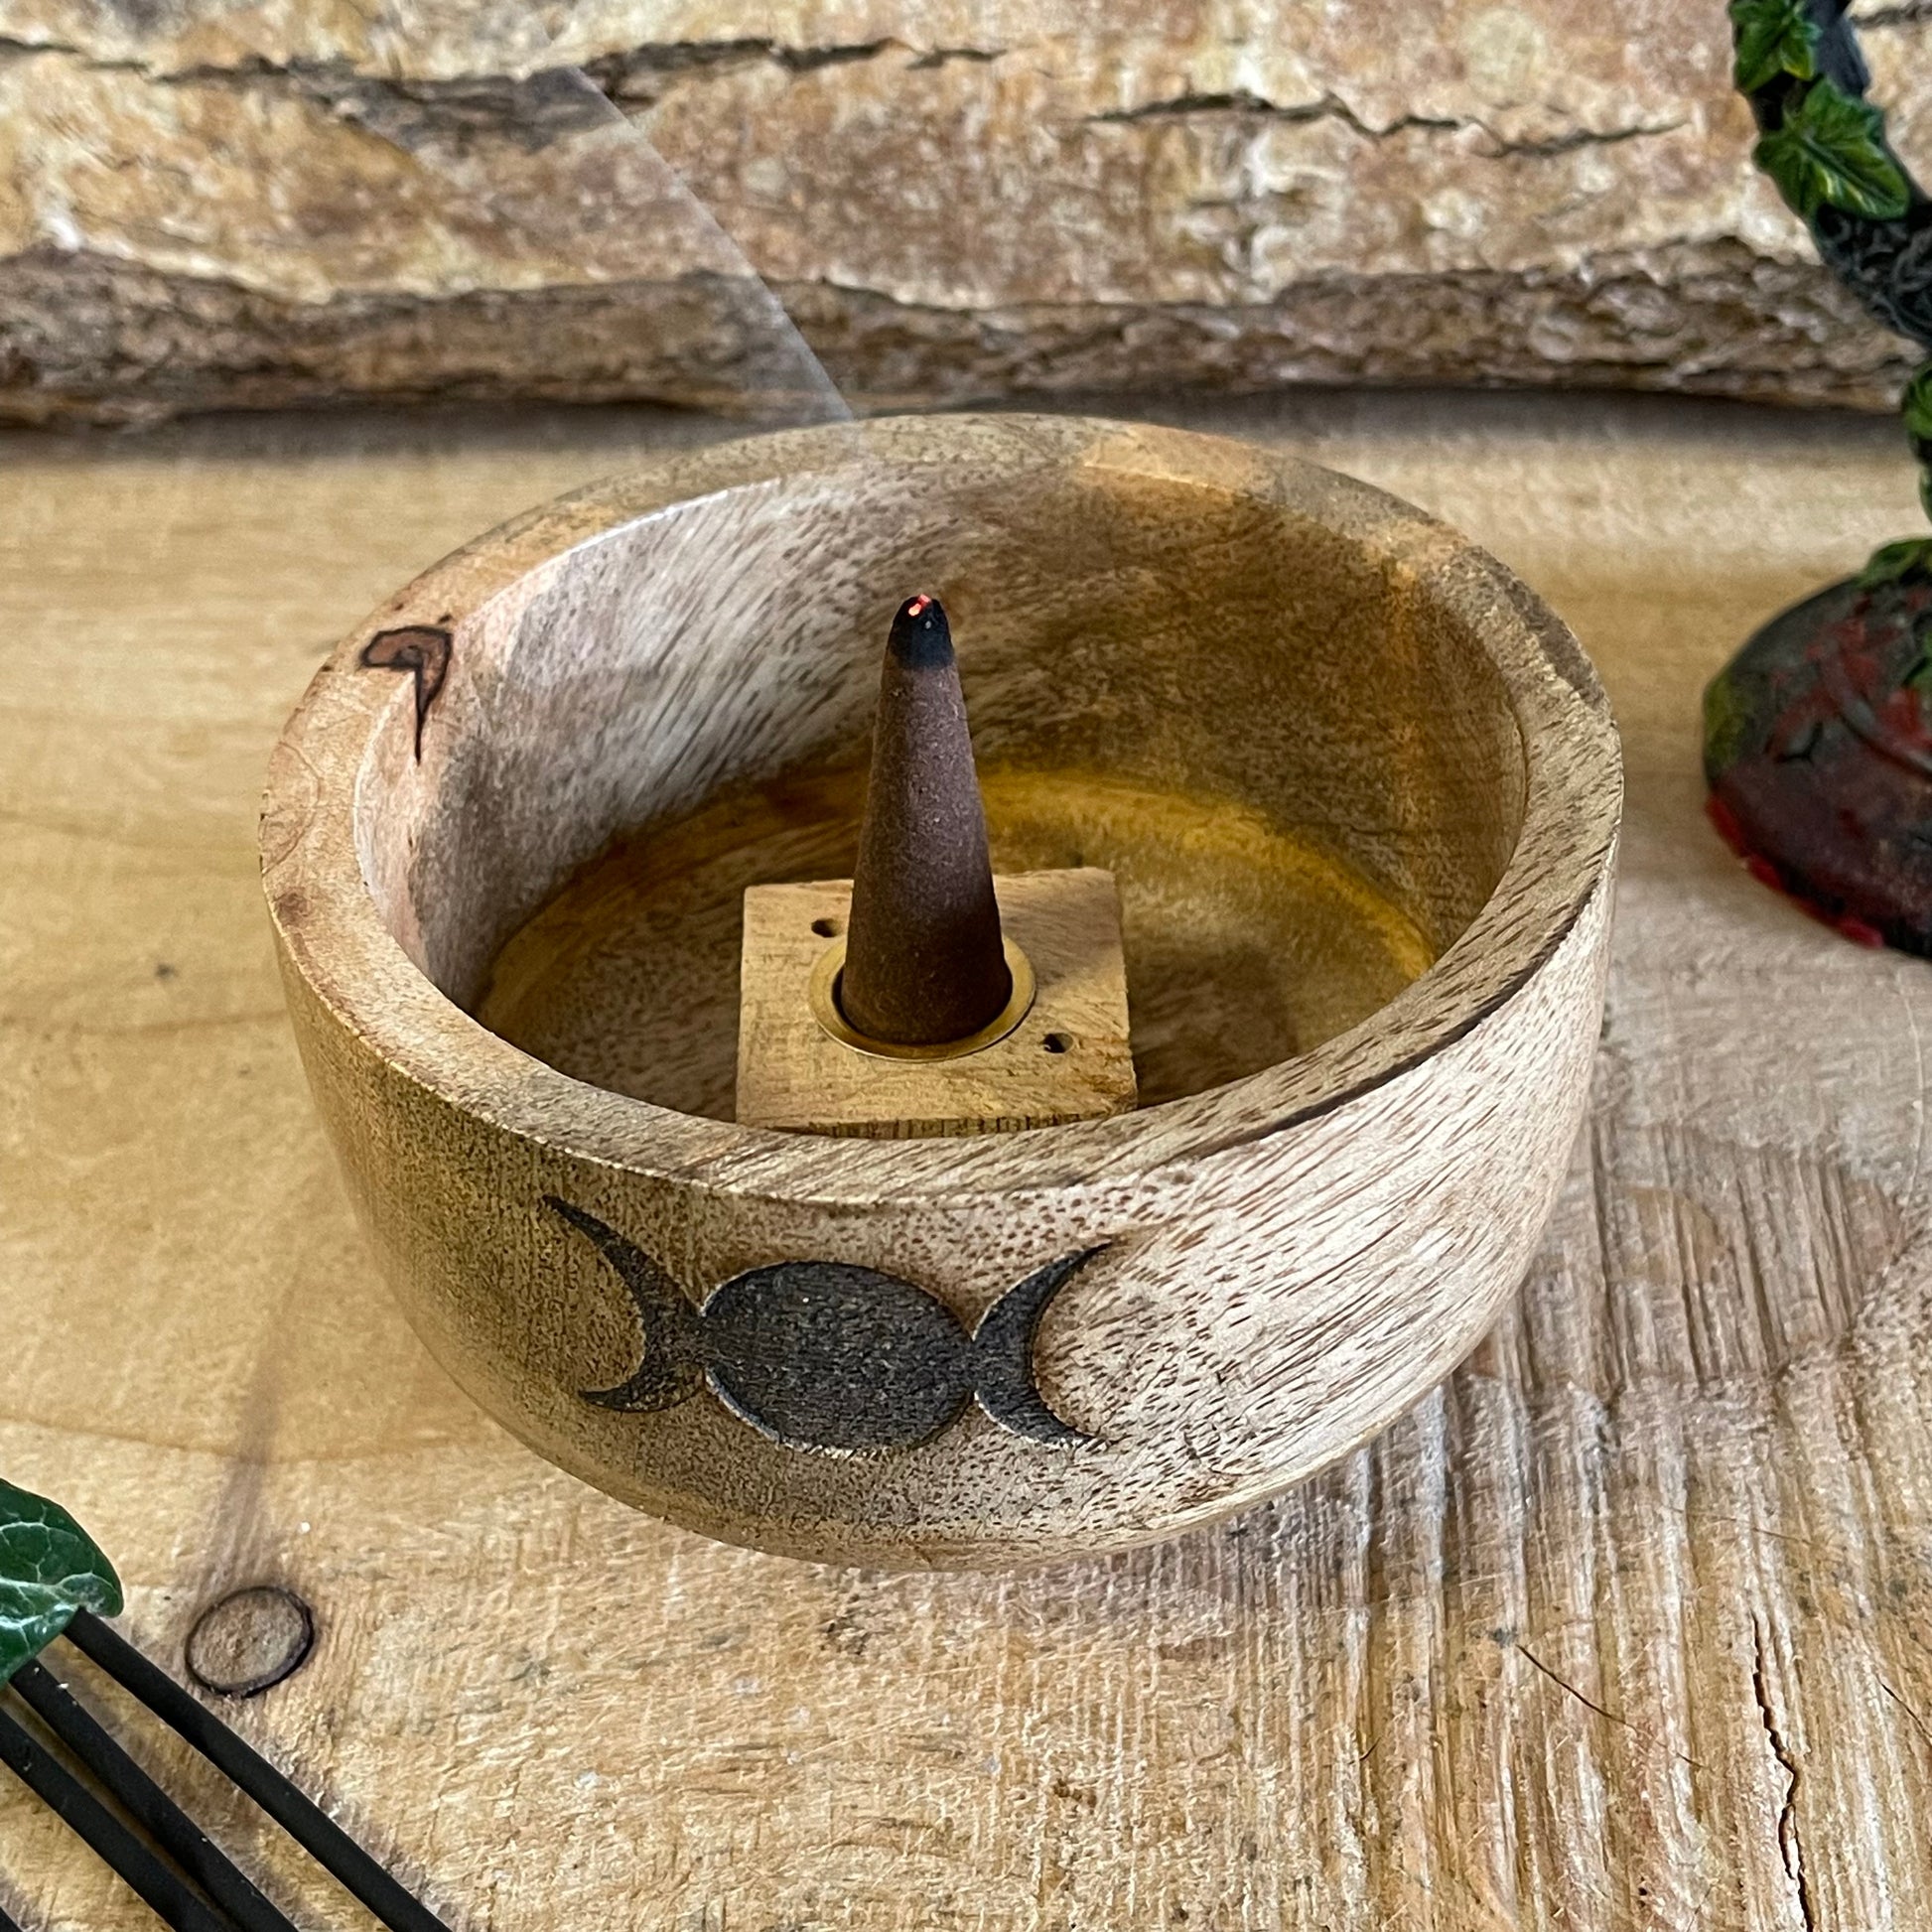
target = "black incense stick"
x: 147, y: 1804
x: 324, y: 1841
x: 50, y: 1780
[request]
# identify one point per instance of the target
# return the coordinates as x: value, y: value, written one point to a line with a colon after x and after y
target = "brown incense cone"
x: 923, y: 963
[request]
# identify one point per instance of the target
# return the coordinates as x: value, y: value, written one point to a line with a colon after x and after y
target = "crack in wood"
x: 1790, y: 1843
x: 1331, y: 107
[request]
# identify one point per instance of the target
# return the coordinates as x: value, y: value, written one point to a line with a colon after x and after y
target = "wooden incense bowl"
x: 1359, y: 790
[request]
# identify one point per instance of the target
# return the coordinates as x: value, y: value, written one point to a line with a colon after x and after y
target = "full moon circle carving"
x: 826, y: 1355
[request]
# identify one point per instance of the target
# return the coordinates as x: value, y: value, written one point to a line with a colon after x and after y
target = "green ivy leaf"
x: 1915, y: 406
x: 1830, y: 152
x: 1897, y: 563
x: 1772, y: 37
x: 50, y: 1567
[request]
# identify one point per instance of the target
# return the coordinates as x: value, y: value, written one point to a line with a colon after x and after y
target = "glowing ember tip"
x: 921, y: 638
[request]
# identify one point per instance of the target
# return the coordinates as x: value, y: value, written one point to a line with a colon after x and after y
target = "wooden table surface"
x: 1630, y: 1625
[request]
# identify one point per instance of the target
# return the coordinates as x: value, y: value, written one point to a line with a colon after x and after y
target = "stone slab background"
x: 205, y: 206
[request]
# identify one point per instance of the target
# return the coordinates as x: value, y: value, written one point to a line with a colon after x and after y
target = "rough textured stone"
x: 203, y: 206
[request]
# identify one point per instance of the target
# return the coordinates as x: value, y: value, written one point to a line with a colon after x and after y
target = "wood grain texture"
x: 1279, y: 1264
x: 1067, y: 1058
x: 1624, y: 1627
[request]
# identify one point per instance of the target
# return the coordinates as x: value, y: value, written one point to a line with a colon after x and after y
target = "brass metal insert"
x: 824, y: 994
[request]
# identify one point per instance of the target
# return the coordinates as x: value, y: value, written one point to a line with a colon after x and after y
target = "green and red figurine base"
x: 1818, y: 750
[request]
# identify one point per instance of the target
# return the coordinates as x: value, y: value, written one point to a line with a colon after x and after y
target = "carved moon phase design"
x: 826, y: 1355
x: 421, y: 649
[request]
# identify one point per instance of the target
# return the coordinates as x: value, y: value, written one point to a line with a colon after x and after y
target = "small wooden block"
x: 1067, y: 1059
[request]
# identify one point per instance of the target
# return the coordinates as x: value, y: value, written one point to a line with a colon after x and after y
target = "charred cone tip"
x: 921, y: 638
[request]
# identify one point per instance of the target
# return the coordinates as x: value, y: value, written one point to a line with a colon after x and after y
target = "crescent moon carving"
x: 673, y: 1368
x: 1003, y: 1354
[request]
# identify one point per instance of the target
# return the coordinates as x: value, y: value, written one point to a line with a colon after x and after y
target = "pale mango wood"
x: 1066, y: 1060
x: 1270, y: 1266
x: 1623, y: 1627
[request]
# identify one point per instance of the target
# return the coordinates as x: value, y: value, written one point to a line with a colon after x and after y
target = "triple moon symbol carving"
x: 825, y: 1355
x: 421, y: 649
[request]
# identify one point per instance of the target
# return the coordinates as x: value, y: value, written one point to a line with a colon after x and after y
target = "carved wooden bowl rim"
x: 337, y: 940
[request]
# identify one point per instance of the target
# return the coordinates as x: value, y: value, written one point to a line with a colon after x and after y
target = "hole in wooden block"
x: 828, y: 928
x: 1057, y: 1043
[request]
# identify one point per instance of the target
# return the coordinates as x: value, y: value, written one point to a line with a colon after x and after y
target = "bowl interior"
x: 1298, y: 758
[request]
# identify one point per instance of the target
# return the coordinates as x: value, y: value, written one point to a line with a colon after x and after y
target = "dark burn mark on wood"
x: 250, y: 1640
x: 421, y: 649
x: 826, y: 1355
